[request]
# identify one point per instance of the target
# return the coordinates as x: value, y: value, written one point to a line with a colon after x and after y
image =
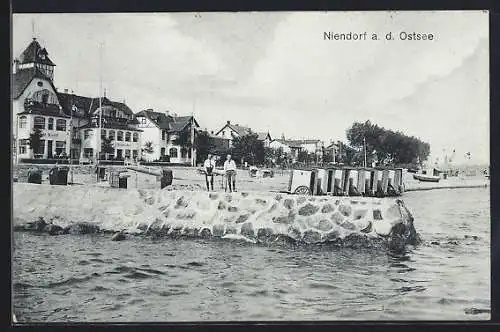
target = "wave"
x: 254, y: 217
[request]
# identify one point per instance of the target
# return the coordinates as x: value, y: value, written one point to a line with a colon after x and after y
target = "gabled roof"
x: 87, y: 105
x: 262, y: 136
x: 35, y: 53
x: 159, y: 119
x: 178, y: 123
x: 23, y: 77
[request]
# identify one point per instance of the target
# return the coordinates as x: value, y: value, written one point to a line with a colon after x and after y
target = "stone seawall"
x: 249, y: 216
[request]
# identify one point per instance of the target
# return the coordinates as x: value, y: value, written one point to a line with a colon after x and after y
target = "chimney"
x: 104, y: 92
x: 212, y: 132
x: 228, y: 122
x: 65, y: 90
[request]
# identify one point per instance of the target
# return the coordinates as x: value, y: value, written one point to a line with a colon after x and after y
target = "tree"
x: 107, y: 146
x: 386, y: 146
x: 203, y: 144
x: 248, y: 148
x: 148, y: 147
x: 35, y: 140
x: 184, y: 139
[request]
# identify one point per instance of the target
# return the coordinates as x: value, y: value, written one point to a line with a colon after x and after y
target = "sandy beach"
x: 189, y: 178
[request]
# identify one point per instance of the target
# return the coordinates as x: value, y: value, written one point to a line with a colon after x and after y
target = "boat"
x: 426, y: 178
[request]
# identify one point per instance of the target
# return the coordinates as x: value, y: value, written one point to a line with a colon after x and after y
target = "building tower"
x: 35, y: 56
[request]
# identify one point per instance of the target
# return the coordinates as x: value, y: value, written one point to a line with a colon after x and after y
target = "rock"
x: 288, y: 203
x: 273, y: 207
x: 377, y: 214
x: 278, y: 197
x: 294, y: 233
x: 231, y: 230
x: 247, y: 230
x: 181, y: 203
x: 218, y: 230
x: 206, y: 233
x: 358, y: 214
x: 311, y: 236
x: 327, y: 208
x: 264, y: 233
x: 221, y: 206
x: 355, y: 240
x: 120, y: 236
x: 345, y: 210
x: 337, y: 218
x: 190, y: 232
x: 53, y: 229
x: 382, y: 228
x: 213, y: 196
x: 242, y: 218
x: 301, y: 200
x: 368, y: 228
x: 308, y: 210
x: 244, y: 194
x: 325, y: 225
x: 232, y: 209
x: 260, y: 201
x: 333, y: 235
x: 453, y: 242
x: 348, y: 225
x: 142, y: 226
x: 281, y: 220
x: 37, y: 226
x: 83, y: 228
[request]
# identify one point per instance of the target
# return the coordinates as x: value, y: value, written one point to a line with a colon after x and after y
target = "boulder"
x: 120, y: 236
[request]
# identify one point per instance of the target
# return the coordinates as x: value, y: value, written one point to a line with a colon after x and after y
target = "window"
x: 163, y: 134
x: 223, y: 133
x: 22, y: 122
x: 45, y: 98
x: 183, y: 152
x: 103, y: 133
x: 120, y: 136
x: 143, y: 120
x: 50, y: 124
x: 23, y: 146
x: 135, y: 137
x: 88, y: 153
x: 135, y: 153
x: 39, y: 122
x: 60, y: 147
x: 87, y: 134
x: 61, y: 125
x: 127, y: 154
x: 162, y: 151
x: 127, y: 136
x: 40, y: 150
x: 39, y: 83
x: 111, y: 134
x: 173, y: 152
x: 119, y: 154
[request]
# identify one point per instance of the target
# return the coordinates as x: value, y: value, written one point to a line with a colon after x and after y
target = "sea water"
x: 88, y: 278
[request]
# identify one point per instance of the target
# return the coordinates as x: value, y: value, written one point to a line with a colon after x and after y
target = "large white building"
x: 163, y: 131
x: 68, y: 123
x: 35, y: 105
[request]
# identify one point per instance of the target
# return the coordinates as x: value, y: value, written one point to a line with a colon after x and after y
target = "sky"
x: 274, y: 71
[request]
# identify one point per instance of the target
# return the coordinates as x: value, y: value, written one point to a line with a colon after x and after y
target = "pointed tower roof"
x: 35, y: 53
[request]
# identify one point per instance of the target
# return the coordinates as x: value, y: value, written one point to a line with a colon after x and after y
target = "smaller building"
x: 229, y: 131
x: 170, y: 137
x: 294, y: 147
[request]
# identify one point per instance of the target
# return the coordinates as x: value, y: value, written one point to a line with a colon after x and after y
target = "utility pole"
x: 98, y: 136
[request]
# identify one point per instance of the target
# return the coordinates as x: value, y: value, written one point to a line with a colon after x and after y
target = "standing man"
x: 230, y: 170
x: 208, y: 167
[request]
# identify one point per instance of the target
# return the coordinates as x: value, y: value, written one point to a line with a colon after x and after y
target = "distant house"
x: 163, y: 130
x: 293, y: 147
x: 229, y: 131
